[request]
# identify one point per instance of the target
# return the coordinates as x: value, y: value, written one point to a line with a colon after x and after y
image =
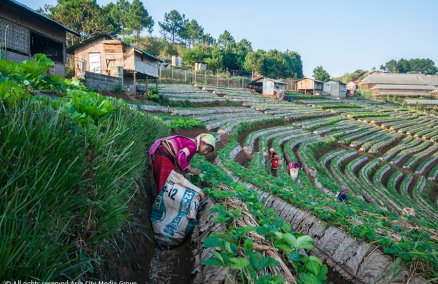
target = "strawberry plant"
x: 255, y: 236
x: 368, y: 215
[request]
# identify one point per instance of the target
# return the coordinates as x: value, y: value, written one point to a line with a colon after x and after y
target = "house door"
x: 94, y: 59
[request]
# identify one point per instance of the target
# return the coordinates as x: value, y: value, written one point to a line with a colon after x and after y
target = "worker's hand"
x: 195, y: 171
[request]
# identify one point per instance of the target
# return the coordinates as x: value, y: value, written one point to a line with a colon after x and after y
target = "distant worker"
x: 175, y: 153
x: 274, y: 161
x: 351, y: 89
x: 408, y: 211
x: 292, y: 169
x: 342, y: 196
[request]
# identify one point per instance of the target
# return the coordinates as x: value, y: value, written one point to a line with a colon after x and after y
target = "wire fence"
x: 172, y: 75
x: 180, y: 76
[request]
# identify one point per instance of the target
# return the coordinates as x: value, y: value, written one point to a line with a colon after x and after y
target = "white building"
x: 335, y: 89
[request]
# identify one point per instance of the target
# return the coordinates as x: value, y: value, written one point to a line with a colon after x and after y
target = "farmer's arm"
x: 183, y: 158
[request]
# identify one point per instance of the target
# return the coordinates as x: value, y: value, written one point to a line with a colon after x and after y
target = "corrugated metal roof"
x: 403, y: 87
x: 430, y: 79
x: 311, y: 79
x: 261, y: 79
x: 400, y: 79
x: 341, y: 83
x: 41, y: 16
x: 421, y: 102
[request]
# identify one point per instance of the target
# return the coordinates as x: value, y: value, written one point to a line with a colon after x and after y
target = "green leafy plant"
x: 69, y: 169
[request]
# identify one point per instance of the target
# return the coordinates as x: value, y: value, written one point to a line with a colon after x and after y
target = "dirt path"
x: 174, y: 266
x: 170, y: 266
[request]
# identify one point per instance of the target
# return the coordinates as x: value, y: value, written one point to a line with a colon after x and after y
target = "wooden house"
x: 24, y: 32
x: 269, y: 87
x: 108, y: 55
x: 335, y: 89
x: 310, y: 86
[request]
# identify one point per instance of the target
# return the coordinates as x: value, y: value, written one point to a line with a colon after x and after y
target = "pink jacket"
x: 185, y: 148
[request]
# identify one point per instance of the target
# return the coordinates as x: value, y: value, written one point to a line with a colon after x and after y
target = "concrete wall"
x: 101, y: 82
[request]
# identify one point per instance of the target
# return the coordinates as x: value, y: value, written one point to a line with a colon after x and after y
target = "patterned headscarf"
x: 207, y: 139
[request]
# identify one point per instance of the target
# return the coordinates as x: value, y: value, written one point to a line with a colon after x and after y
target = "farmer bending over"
x: 342, y: 196
x: 175, y: 153
x: 292, y: 169
x: 274, y: 161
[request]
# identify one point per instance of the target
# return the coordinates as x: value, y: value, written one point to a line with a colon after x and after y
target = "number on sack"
x: 172, y: 193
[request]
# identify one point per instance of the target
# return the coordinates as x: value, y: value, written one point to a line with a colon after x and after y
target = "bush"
x: 67, y: 187
x: 152, y: 95
x: 119, y: 89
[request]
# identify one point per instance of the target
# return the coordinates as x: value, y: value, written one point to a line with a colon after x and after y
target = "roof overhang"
x: 40, y: 16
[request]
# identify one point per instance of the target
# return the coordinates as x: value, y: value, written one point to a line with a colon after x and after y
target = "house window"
x: 52, y: 49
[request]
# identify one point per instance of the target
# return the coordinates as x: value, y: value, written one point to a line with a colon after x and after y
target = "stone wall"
x: 101, y: 82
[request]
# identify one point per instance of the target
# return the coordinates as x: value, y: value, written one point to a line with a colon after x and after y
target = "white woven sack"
x: 174, y: 211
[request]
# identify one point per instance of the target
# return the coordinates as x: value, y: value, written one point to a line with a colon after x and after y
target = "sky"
x: 339, y: 35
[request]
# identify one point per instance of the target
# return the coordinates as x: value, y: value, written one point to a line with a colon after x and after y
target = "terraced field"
x: 386, y: 156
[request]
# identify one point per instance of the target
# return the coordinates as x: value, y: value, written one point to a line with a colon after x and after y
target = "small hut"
x: 310, y: 86
x: 108, y: 55
x: 335, y: 89
x: 200, y: 66
x: 269, y: 87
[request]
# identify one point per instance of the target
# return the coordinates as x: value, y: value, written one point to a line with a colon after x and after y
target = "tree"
x: 154, y: 45
x: 415, y: 65
x: 390, y: 66
x: 173, y: 25
x: 128, y: 18
x: 207, y: 40
x: 320, y: 74
x: 84, y: 16
x: 424, y: 66
x: 113, y: 13
x: 226, y: 40
x: 403, y: 66
x: 215, y: 59
x: 293, y: 65
x: 254, y: 61
x: 243, y: 47
x: 274, y: 64
x: 138, y: 19
x: 356, y: 75
x: 191, y: 55
x: 193, y: 32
